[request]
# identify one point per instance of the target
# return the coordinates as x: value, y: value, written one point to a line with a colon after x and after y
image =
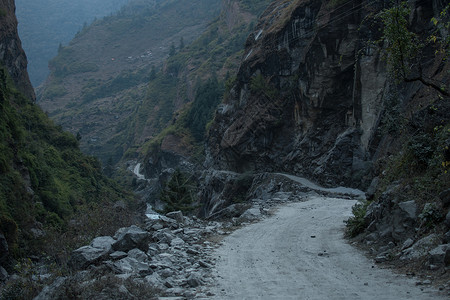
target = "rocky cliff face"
x: 309, y: 94
x: 12, y: 55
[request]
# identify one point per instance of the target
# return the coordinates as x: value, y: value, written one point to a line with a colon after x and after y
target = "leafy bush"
x: 356, y: 224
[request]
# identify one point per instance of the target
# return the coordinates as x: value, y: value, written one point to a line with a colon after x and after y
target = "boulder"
x: 3, y: 274
x: 440, y: 256
x: 130, y: 265
x: 251, y: 214
x: 447, y: 219
x: 372, y: 188
x: 446, y: 238
x: 176, y: 215
x: 138, y: 254
x: 177, y: 242
x: 52, y: 291
x: 420, y: 248
x: 409, y: 207
x: 130, y: 238
x: 194, y: 280
x: 87, y: 255
x: 445, y: 197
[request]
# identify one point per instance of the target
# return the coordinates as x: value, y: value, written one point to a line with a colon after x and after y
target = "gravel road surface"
x: 300, y: 253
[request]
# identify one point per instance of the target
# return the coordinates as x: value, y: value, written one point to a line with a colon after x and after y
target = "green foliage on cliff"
x: 208, y: 96
x: 179, y: 193
x: 44, y: 178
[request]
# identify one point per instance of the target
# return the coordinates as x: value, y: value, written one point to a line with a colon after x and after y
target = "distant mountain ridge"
x: 45, y: 24
x: 147, y: 70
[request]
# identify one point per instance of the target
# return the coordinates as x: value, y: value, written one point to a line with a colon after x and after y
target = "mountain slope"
x: 45, y: 180
x: 43, y: 25
x: 101, y: 77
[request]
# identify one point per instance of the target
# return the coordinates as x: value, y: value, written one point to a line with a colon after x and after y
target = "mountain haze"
x: 45, y: 24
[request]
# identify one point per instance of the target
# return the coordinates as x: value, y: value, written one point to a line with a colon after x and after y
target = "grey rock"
x: 51, y: 291
x: 440, y: 256
x: 130, y: 265
x: 409, y: 207
x: 420, y: 248
x: 251, y: 214
x: 130, y: 238
x: 138, y: 254
x: 176, y: 215
x: 194, y: 280
x: 447, y: 219
x: 372, y: 188
x: 3, y: 274
x: 154, y: 280
x: 445, y: 197
x: 408, y: 243
x: 118, y: 255
x: 99, y: 248
x: 204, y: 264
x: 177, y: 242
x: 380, y: 258
x: 446, y: 238
x: 372, y: 237
x: 165, y: 273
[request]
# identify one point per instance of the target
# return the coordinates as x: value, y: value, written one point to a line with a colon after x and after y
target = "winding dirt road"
x: 300, y: 253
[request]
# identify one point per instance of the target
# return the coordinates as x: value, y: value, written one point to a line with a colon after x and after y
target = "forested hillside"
x: 148, y: 69
x: 47, y: 185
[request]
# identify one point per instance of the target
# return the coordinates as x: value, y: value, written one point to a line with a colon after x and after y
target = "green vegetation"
x: 208, y: 96
x: 65, y: 64
x: 179, y: 193
x: 124, y: 81
x: 356, y: 224
x: 260, y: 85
x: 45, y: 179
x: 404, y: 49
x: 210, y: 59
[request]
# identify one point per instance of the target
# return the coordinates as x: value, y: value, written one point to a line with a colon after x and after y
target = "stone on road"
x: 277, y: 258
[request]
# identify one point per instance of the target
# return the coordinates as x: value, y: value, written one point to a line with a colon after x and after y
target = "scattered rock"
x: 52, y: 291
x: 130, y: 238
x: 372, y: 188
x: 194, y: 280
x: 251, y: 214
x: 447, y: 219
x: 445, y: 197
x: 118, y: 255
x: 440, y: 256
x: 409, y: 207
x: 130, y: 265
x: 87, y: 255
x: 176, y: 215
x: 3, y: 274
x: 408, y: 243
x: 446, y: 238
x: 420, y: 248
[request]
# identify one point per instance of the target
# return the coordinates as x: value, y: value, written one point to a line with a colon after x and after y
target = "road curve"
x: 300, y: 253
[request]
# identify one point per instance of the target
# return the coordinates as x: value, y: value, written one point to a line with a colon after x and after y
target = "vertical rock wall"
x: 12, y: 55
x: 309, y: 94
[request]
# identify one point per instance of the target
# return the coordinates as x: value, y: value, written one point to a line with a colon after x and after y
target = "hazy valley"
x: 165, y: 128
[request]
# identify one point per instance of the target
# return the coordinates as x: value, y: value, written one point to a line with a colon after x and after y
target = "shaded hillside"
x: 101, y: 77
x: 45, y: 180
x: 196, y: 77
x: 43, y: 25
